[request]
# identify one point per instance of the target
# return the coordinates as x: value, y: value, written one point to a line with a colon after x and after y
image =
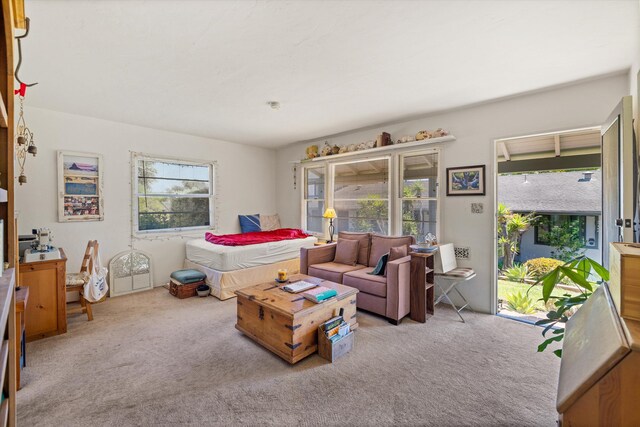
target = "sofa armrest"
x: 404, y: 259
x: 398, y: 287
x: 316, y: 255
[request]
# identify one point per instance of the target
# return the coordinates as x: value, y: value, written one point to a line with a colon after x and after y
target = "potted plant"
x: 580, y: 272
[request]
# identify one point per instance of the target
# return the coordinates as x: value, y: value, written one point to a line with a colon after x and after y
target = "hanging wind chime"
x: 24, y: 136
x: 24, y: 141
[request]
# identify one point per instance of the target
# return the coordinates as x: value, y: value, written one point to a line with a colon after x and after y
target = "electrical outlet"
x: 462, y: 253
x: 477, y: 208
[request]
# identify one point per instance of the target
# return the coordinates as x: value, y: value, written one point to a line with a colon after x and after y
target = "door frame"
x: 496, y: 141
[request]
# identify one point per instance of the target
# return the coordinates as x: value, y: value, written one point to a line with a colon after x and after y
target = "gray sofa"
x: 385, y: 295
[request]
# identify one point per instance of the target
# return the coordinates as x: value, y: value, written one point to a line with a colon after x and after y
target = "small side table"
x: 421, y: 293
x: 22, y: 296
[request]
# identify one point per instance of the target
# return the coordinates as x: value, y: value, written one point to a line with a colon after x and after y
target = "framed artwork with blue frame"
x: 466, y: 181
x: 80, y: 187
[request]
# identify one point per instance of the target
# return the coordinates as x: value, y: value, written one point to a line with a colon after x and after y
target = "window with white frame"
x: 361, y: 195
x: 314, y: 198
x: 172, y: 195
x: 419, y: 194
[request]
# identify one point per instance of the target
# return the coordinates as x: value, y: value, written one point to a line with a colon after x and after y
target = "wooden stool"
x: 76, y: 281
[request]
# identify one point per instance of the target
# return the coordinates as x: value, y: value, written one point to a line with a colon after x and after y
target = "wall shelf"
x: 401, y: 146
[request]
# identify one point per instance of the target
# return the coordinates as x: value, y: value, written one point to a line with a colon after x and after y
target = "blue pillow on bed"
x: 249, y: 223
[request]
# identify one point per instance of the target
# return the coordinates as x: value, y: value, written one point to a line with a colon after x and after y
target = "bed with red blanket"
x: 234, y: 261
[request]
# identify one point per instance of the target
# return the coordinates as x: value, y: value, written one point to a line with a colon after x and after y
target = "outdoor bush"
x: 517, y: 273
x: 538, y: 267
x: 520, y: 303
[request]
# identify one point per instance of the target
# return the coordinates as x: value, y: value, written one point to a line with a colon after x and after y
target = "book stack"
x: 319, y: 294
x: 335, y: 328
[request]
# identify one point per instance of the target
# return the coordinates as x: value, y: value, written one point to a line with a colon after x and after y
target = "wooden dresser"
x: 46, y: 313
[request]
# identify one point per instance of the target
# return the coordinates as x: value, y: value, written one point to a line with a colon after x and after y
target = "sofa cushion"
x: 346, y: 252
x: 364, y: 242
x: 366, y: 282
x: 331, y: 271
x: 380, y: 245
x: 398, y: 252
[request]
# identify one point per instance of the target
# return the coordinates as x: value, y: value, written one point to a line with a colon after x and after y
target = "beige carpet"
x: 151, y: 359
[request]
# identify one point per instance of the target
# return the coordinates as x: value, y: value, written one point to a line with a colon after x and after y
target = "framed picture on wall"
x: 80, y: 187
x: 466, y: 181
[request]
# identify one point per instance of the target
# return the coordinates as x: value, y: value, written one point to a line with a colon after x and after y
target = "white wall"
x: 476, y: 128
x: 246, y: 184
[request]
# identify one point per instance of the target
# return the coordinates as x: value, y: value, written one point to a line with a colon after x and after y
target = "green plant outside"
x: 538, y: 267
x: 506, y: 287
x: 517, y: 273
x: 521, y: 303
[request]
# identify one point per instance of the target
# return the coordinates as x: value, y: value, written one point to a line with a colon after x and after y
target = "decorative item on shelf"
x: 312, y: 152
x: 24, y: 137
x: 326, y: 149
x: 370, y: 144
x: 466, y: 181
x: 361, y: 146
x: 331, y: 214
x: 439, y: 132
x: 423, y: 134
x: 335, y: 149
x: 383, y: 140
x: 406, y: 138
x: 343, y: 149
x: 351, y: 148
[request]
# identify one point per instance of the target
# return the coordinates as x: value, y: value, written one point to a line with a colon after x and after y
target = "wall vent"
x: 462, y: 253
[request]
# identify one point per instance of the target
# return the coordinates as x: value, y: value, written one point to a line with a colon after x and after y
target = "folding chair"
x: 447, y: 270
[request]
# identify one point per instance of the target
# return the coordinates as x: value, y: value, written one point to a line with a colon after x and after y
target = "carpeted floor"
x: 151, y: 359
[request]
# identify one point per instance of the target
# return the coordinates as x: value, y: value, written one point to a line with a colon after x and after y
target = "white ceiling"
x: 209, y: 67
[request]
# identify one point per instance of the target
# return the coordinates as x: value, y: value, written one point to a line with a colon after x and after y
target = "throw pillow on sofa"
x: 346, y: 252
x: 397, y: 252
x: 381, y: 267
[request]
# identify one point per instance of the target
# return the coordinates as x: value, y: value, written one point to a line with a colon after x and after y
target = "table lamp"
x: 330, y: 213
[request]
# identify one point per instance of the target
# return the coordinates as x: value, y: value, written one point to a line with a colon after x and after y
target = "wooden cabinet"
x: 46, y: 313
x: 600, y: 369
x: 624, y: 265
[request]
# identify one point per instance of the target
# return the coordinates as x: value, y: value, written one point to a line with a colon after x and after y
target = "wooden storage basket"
x: 332, y: 350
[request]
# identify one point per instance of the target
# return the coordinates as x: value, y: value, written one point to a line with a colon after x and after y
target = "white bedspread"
x: 227, y: 258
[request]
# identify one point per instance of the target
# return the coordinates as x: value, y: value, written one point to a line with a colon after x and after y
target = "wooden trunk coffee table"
x: 286, y: 323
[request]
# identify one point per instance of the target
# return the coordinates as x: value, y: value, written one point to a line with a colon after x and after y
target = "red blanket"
x: 256, y: 237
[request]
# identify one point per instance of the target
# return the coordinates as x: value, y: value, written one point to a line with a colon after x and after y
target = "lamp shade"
x: 330, y: 213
